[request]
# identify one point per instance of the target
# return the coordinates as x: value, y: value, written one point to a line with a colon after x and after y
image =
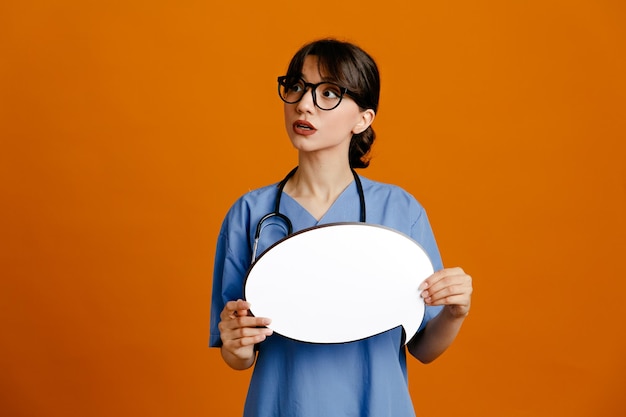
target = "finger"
x: 446, y: 278
x: 462, y: 288
x: 449, y: 295
x: 243, y: 322
x: 449, y: 298
x: 243, y: 308
x: 235, y: 308
x: 234, y: 344
x: 438, y: 276
x: 239, y: 305
x: 245, y: 332
x: 237, y: 345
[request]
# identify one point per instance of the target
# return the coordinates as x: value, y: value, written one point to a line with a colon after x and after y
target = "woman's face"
x: 314, y: 130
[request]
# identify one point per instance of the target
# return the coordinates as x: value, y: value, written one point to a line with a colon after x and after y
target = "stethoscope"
x: 285, y: 219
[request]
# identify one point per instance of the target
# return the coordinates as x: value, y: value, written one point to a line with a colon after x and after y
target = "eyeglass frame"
x: 313, y: 88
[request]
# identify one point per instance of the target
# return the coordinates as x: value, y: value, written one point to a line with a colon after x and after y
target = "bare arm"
x: 239, y: 332
x: 451, y: 288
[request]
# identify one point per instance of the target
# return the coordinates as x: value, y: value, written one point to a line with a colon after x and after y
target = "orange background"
x: 128, y: 128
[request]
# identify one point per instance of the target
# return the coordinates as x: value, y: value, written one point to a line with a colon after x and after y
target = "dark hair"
x: 349, y: 66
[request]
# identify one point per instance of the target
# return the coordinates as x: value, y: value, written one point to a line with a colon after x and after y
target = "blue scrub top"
x: 291, y: 378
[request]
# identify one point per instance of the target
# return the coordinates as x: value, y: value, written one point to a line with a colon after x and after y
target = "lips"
x: 304, y: 128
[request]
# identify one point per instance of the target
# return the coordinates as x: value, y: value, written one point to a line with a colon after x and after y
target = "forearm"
x: 237, y: 362
x: 436, y: 337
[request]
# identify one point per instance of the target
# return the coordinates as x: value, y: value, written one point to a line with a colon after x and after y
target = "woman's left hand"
x: 450, y: 287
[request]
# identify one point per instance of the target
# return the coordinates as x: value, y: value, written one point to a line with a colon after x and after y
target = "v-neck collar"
x: 330, y: 209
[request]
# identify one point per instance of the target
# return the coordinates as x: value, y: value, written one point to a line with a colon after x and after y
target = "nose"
x: 306, y: 104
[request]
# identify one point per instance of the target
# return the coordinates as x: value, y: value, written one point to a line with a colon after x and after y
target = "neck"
x: 316, y: 186
x: 321, y: 180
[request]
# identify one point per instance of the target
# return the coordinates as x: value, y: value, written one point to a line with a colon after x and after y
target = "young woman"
x: 331, y: 93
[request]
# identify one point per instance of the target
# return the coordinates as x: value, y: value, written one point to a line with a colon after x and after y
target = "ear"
x: 366, y: 118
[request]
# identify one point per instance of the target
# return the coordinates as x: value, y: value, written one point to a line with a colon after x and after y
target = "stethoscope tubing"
x: 285, y: 219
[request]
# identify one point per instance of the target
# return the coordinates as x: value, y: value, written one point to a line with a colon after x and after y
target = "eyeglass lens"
x: 326, y: 95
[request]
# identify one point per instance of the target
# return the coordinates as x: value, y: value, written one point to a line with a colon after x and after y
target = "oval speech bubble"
x: 339, y: 283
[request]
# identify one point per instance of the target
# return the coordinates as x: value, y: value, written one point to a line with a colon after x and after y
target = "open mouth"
x: 303, y: 124
x: 302, y: 127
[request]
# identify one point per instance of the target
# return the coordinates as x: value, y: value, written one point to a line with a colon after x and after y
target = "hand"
x: 240, y: 331
x: 451, y: 288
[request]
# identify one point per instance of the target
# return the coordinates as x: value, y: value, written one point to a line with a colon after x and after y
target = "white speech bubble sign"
x: 339, y: 283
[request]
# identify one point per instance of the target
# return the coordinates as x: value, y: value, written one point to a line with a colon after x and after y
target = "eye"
x: 330, y: 91
x: 293, y: 86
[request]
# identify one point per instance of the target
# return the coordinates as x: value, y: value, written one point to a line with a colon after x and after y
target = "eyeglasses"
x: 291, y: 90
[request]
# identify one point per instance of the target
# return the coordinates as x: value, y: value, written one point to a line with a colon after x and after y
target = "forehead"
x: 311, y: 70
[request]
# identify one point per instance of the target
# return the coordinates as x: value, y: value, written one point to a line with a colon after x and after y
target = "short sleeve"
x: 232, y: 259
x: 422, y: 233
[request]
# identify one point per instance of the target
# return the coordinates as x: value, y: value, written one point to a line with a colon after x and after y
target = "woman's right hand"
x: 239, y: 332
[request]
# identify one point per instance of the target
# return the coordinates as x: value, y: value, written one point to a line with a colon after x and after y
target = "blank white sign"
x: 340, y: 283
